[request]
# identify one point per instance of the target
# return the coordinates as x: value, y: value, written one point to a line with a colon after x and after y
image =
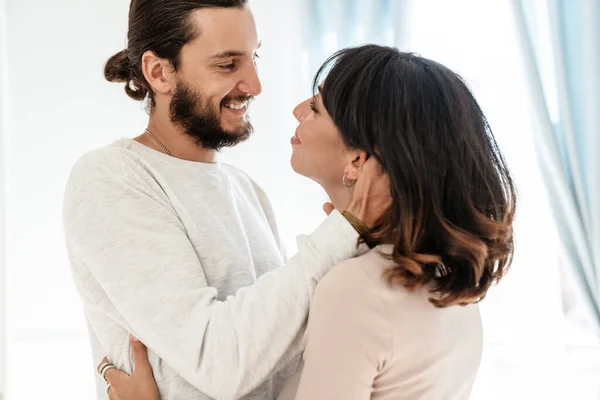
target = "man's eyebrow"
x: 229, y: 53
x: 233, y: 53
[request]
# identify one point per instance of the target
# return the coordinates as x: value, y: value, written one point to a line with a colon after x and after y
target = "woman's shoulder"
x: 362, y: 273
x: 365, y: 276
x: 358, y: 284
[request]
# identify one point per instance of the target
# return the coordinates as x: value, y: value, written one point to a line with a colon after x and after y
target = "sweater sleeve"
x: 137, y: 249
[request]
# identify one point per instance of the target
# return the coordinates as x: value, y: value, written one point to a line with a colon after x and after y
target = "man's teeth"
x: 236, y: 106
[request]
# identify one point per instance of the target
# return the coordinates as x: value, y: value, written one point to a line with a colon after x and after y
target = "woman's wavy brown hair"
x: 451, y: 219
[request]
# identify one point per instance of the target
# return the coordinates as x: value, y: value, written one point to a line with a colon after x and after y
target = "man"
x: 168, y: 244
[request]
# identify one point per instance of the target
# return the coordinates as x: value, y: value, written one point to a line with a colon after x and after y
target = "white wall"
x: 59, y: 109
x: 3, y: 131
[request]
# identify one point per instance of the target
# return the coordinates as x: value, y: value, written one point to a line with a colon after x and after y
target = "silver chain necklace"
x: 162, y: 146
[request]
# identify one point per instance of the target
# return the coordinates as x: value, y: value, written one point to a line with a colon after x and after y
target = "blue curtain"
x: 568, y: 144
x: 335, y: 24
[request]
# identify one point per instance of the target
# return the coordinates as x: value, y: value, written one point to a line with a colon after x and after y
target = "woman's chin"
x: 302, y: 169
x: 295, y: 165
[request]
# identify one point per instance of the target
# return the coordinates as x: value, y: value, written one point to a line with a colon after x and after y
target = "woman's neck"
x: 338, y: 196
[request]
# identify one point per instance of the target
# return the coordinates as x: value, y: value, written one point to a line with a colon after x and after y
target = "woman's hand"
x: 138, y: 386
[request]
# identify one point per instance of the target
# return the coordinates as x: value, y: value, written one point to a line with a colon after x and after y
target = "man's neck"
x: 174, y: 140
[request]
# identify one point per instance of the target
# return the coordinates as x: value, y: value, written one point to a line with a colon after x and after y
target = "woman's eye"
x: 313, y: 105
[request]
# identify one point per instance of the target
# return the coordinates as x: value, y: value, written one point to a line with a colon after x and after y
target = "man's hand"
x: 138, y: 386
x: 371, y: 196
x: 328, y: 208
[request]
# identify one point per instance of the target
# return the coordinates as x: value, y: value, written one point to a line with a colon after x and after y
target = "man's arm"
x: 137, y: 249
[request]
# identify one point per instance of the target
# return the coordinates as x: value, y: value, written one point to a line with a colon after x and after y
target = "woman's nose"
x: 298, y: 112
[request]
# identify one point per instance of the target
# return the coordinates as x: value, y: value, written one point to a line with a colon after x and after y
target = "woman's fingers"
x: 140, y: 356
x: 114, y: 377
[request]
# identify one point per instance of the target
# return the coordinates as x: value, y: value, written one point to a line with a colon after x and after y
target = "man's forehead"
x: 225, y: 32
x: 234, y: 53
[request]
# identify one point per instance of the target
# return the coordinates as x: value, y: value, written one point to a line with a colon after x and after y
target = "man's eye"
x: 228, y: 66
x: 255, y: 57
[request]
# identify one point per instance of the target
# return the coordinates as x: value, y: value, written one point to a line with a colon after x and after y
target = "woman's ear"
x: 355, y: 161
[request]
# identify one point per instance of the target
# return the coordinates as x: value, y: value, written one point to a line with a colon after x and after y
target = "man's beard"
x: 194, y: 115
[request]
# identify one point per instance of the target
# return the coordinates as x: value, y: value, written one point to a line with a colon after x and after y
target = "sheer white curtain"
x: 561, y: 39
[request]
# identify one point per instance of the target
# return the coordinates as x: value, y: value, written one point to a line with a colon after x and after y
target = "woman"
x: 401, y: 321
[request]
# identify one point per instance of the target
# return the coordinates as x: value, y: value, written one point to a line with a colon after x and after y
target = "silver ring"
x: 101, y: 367
x: 106, y: 369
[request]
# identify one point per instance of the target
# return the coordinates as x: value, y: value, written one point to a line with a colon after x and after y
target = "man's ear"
x: 159, y: 73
